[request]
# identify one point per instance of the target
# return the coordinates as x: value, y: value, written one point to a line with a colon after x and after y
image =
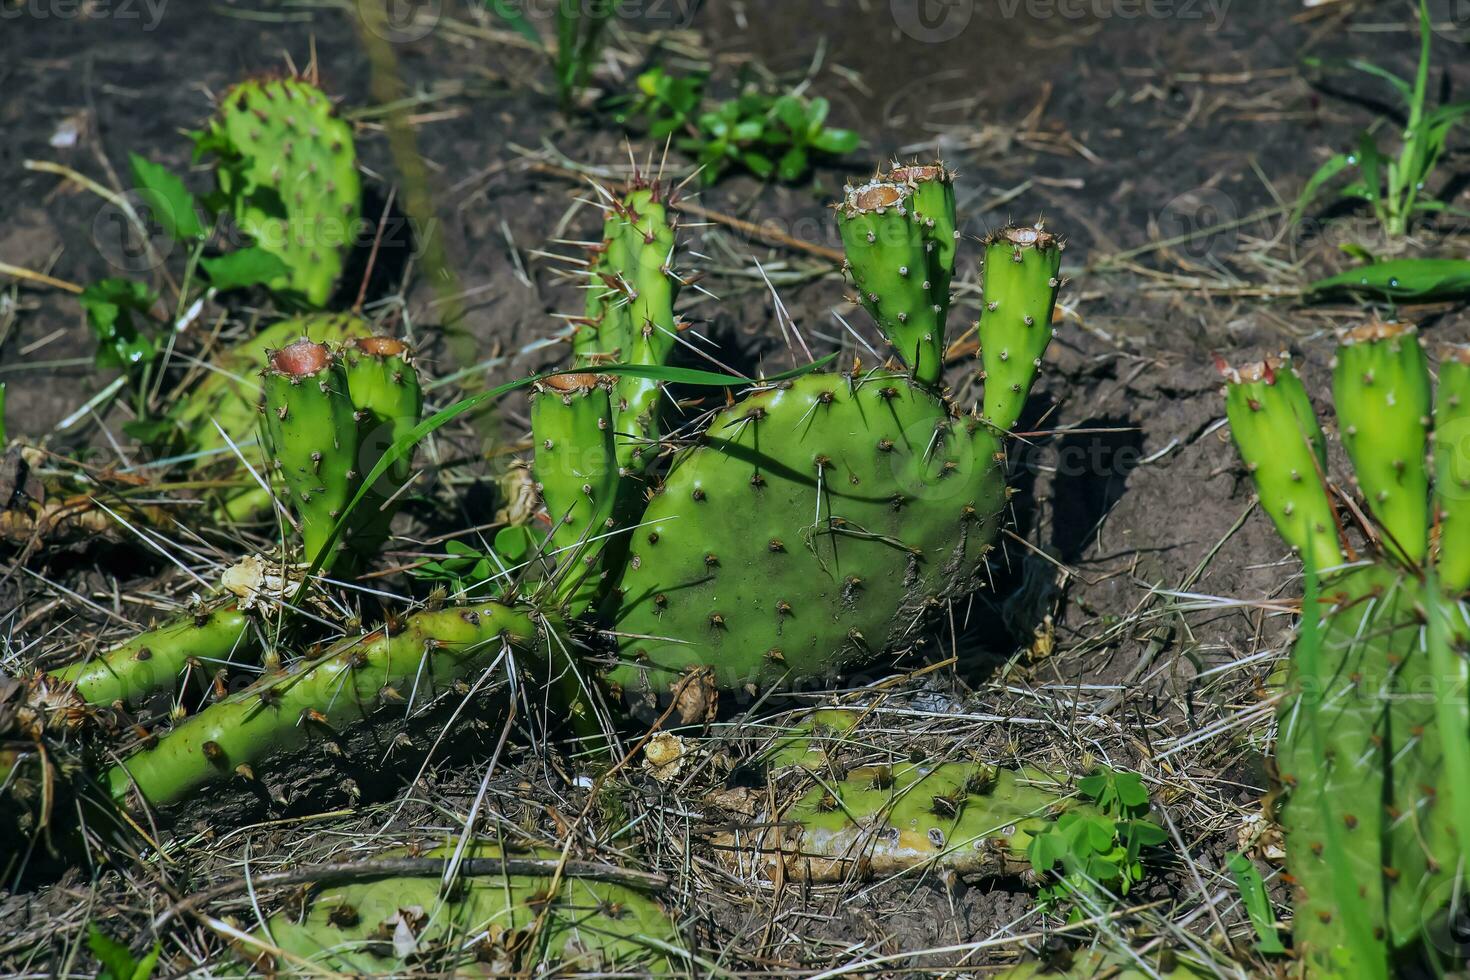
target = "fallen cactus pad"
x: 970, y: 818
x: 417, y: 658
x: 493, y: 925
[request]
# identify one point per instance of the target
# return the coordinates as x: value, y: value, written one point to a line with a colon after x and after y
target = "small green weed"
x: 1092, y: 858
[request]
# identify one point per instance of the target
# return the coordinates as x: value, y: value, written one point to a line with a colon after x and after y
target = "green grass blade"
x: 1399, y: 279
x: 513, y: 17
x: 1314, y: 185
x: 1257, y: 906
x: 1452, y: 707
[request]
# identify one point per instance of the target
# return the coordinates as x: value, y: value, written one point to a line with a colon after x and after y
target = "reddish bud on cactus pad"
x: 301, y: 359
x: 381, y: 346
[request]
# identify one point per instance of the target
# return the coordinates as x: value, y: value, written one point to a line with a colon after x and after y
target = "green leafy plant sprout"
x: 118, y: 962
x: 580, y: 28
x: 1253, y: 896
x: 1092, y: 858
x: 1397, y: 189
x: 771, y: 135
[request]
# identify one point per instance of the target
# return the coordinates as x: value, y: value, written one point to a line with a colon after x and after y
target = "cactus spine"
x: 576, y: 470
x: 1381, y: 387
x: 312, y: 436
x: 898, y: 233
x: 424, y: 654
x: 288, y: 170
x: 1022, y: 277
x: 1282, y: 444
x: 1452, y: 467
x: 157, y: 660
x: 395, y: 925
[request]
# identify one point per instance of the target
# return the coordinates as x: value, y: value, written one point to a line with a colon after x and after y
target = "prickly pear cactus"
x: 816, y: 526
x: 158, y: 659
x: 1022, y: 277
x: 577, y: 475
x: 477, y: 927
x: 312, y: 436
x: 1373, y: 741
x: 387, y: 403
x: 401, y: 664
x: 287, y: 170
x: 899, y: 233
x: 818, y: 522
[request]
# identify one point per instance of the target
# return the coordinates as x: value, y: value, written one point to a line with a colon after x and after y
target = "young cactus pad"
x: 1452, y: 466
x: 477, y: 927
x: 1280, y: 440
x: 312, y: 436
x: 288, y: 169
x: 387, y: 402
x: 1022, y: 277
x: 818, y: 523
x: 902, y: 260
x: 419, y: 657
x: 1382, y: 390
x: 577, y: 472
x: 158, y: 659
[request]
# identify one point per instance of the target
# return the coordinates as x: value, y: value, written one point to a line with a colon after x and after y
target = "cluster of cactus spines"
x: 1372, y: 759
x: 157, y: 660
x: 1381, y: 387
x: 477, y: 927
x: 312, y: 437
x: 1022, y: 276
x: 1272, y: 420
x: 329, y: 417
x: 898, y: 231
x: 972, y: 819
x: 412, y: 659
x: 577, y: 474
x: 288, y: 168
x: 815, y: 527
x: 1452, y: 466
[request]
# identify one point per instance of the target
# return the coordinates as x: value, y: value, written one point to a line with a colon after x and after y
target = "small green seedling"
x: 1399, y: 280
x: 1397, y: 189
x: 1257, y: 905
x: 770, y: 135
x: 1093, y: 857
x: 581, y: 26
x: 118, y: 962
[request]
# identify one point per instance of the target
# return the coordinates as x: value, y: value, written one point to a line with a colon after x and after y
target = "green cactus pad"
x: 288, y: 170
x: 229, y: 393
x: 815, y: 527
x: 1382, y: 390
x: 478, y: 927
x: 388, y: 401
x: 425, y: 654
x: 1276, y: 431
x: 931, y: 195
x: 973, y: 819
x: 312, y: 437
x: 1452, y: 466
x: 157, y: 659
x: 649, y: 237
x: 1022, y: 277
x: 895, y: 262
x: 1381, y: 789
x: 576, y: 470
